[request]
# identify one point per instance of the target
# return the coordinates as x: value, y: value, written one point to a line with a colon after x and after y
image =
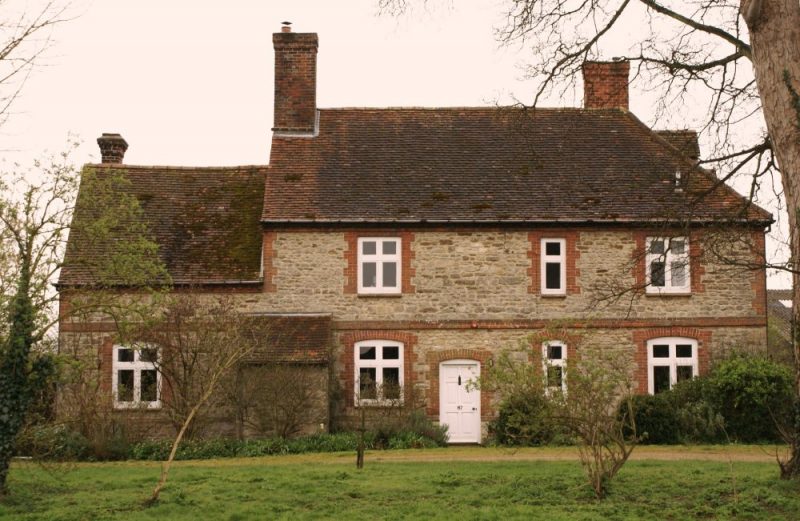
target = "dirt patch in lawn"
x: 739, y: 453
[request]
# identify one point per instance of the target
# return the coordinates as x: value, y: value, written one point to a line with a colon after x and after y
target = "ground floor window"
x: 669, y: 361
x: 554, y: 360
x: 135, y: 380
x: 378, y: 371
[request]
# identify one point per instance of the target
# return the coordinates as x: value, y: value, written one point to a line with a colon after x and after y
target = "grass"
x: 452, y: 483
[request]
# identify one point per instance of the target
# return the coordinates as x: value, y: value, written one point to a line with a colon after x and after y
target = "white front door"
x: 460, y: 403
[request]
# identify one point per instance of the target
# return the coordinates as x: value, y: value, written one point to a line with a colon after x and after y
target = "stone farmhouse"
x: 414, y: 245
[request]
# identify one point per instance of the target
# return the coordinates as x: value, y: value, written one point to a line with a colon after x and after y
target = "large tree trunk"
x: 775, y: 40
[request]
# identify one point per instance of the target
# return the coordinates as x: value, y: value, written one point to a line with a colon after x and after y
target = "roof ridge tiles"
x: 232, y: 168
x: 469, y: 107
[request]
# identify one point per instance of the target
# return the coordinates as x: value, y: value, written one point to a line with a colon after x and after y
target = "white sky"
x: 190, y: 82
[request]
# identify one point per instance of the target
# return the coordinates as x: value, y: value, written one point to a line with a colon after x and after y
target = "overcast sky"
x: 190, y: 82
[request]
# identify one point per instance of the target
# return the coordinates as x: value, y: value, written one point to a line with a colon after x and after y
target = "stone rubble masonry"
x: 487, y: 275
x: 431, y: 347
x: 467, y: 294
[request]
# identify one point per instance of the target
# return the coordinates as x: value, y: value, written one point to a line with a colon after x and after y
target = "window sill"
x: 379, y: 295
x: 666, y: 294
x: 553, y: 295
x: 390, y: 404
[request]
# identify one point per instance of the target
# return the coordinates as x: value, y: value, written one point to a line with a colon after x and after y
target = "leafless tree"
x: 597, y: 410
x: 25, y: 35
x: 277, y: 398
x: 195, y: 344
x: 742, y: 58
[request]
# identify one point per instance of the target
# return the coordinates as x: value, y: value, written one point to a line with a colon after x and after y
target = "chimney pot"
x: 605, y: 84
x: 112, y: 148
x: 286, y: 27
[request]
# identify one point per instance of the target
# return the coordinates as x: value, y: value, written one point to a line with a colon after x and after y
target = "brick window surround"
x: 696, y: 269
x: 351, y: 258
x: 570, y: 339
x: 347, y: 357
x: 105, y: 352
x: 640, y: 338
x: 435, y: 358
x: 572, y: 253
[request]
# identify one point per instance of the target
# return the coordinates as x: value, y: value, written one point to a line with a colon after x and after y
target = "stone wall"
x: 471, y: 294
x: 430, y: 347
x: 486, y: 275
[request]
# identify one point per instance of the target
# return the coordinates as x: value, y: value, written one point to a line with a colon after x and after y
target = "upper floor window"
x: 379, y: 371
x: 553, y: 272
x: 669, y: 361
x: 554, y: 361
x: 135, y: 380
x: 379, y: 265
x: 668, y: 265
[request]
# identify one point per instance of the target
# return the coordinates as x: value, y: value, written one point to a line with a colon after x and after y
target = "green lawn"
x: 453, y: 483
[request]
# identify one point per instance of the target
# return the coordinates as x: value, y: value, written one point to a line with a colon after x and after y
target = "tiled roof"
x: 488, y: 165
x: 204, y: 220
x: 299, y: 338
x: 684, y: 140
x: 775, y: 307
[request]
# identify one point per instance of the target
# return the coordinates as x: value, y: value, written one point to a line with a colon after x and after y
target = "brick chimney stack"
x: 605, y: 84
x: 112, y: 148
x: 295, y: 80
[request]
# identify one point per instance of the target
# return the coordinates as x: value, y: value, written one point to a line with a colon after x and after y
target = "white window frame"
x: 547, y: 362
x: 379, y: 258
x: 668, y: 258
x: 672, y: 361
x: 379, y: 364
x: 560, y: 259
x: 137, y: 366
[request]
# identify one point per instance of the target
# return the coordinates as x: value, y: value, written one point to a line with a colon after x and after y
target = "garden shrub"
x: 682, y: 415
x: 751, y: 392
x: 656, y: 418
x: 740, y: 400
x: 699, y: 420
x: 157, y: 450
x: 52, y: 442
x: 525, y: 419
x: 389, y: 430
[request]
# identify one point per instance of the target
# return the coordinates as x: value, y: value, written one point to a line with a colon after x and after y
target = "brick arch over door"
x: 347, y: 359
x: 640, y: 338
x: 435, y: 358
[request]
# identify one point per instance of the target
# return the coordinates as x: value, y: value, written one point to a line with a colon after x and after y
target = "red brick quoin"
x: 640, y: 338
x: 269, y: 262
x: 347, y: 357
